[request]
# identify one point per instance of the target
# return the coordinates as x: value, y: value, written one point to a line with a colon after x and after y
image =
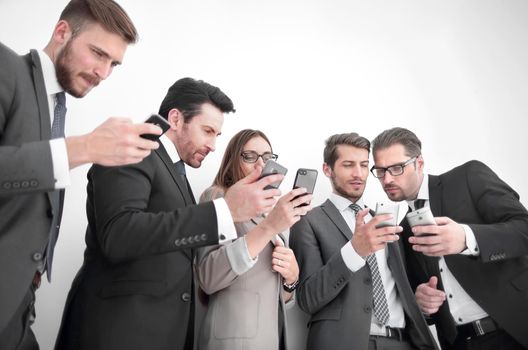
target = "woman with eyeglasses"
x: 249, y: 280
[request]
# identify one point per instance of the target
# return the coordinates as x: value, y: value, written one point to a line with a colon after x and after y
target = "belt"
x: 393, y: 333
x: 477, y: 328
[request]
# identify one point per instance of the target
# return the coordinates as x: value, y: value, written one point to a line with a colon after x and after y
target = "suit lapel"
x: 41, y: 94
x: 180, y: 181
x: 336, y: 217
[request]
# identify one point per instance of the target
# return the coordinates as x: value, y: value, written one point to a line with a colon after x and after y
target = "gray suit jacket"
x: 243, y: 307
x: 26, y: 177
x: 339, y: 300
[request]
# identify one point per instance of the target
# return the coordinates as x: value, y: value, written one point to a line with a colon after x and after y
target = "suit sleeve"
x: 217, y: 267
x: 504, y: 233
x: 128, y: 226
x: 320, y: 283
x: 26, y: 166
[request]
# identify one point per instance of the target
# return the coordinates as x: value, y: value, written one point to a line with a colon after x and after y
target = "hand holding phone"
x: 305, y: 178
x: 158, y: 120
x: 270, y: 168
x: 421, y: 217
x: 387, y: 208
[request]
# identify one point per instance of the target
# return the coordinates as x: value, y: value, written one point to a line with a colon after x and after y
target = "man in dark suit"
x: 353, y: 280
x: 88, y: 41
x: 471, y: 270
x: 135, y: 288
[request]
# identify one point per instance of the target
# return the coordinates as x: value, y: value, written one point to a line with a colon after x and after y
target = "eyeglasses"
x: 252, y: 156
x: 394, y: 170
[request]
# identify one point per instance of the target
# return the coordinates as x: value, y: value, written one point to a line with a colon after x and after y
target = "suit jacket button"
x: 33, y: 183
x: 25, y: 184
x: 203, y: 237
x: 367, y: 280
x: 186, y: 297
x: 16, y: 184
x: 6, y: 185
x: 184, y: 241
x: 222, y: 237
x: 37, y: 256
x: 177, y: 242
x: 367, y: 309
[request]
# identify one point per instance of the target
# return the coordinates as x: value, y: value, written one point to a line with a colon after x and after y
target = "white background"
x: 454, y: 72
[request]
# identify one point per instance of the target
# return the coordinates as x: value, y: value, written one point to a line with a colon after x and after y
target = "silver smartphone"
x: 387, y: 208
x: 421, y: 217
x: 272, y: 167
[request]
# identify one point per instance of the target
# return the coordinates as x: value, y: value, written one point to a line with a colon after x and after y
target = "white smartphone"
x: 387, y: 208
x: 421, y: 217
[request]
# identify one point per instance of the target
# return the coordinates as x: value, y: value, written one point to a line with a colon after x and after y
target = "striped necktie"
x: 381, y: 308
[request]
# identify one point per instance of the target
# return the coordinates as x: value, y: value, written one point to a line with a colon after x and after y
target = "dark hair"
x: 188, y: 95
x: 402, y: 136
x: 107, y: 13
x: 351, y: 139
x: 230, y: 170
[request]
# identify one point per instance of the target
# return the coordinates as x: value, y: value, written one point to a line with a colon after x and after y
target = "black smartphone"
x: 158, y: 120
x: 272, y: 167
x: 305, y: 178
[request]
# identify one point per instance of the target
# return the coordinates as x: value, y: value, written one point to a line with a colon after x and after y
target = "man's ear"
x: 420, y: 163
x: 327, y: 170
x: 62, y: 32
x: 175, y: 118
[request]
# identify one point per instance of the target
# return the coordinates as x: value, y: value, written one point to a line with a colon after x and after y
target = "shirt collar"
x: 170, y: 148
x: 50, y: 76
x: 423, y: 192
x: 343, y: 203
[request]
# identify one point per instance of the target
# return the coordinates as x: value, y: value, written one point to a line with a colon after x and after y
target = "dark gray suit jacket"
x: 339, y: 300
x: 26, y: 177
x: 135, y: 287
x: 498, y: 278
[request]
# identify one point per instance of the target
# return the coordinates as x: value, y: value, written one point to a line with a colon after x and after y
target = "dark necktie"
x: 419, y: 204
x: 57, y: 196
x: 381, y: 307
x: 57, y: 128
x: 180, y: 168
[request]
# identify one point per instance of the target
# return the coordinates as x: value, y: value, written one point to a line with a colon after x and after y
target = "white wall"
x: 452, y: 71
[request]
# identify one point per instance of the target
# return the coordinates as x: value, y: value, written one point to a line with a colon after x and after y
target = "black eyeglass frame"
x: 268, y: 156
x: 374, y: 169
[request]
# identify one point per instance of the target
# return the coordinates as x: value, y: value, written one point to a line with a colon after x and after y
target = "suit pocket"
x: 123, y: 288
x: 333, y: 313
x: 521, y: 282
x: 236, y: 315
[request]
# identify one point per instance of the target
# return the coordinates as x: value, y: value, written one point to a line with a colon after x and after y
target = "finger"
x: 278, y: 242
x: 432, y: 250
x: 426, y: 240
x: 146, y: 128
x: 252, y: 176
x: 303, y: 199
x: 360, y: 217
x: 430, y: 229
x: 388, y: 238
x: 433, y: 282
x: 268, y: 180
x: 271, y: 193
x: 284, y: 256
x: 443, y: 220
x: 296, y: 192
x: 388, y: 230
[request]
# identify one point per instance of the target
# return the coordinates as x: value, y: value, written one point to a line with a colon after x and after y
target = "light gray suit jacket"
x: 339, y: 300
x: 243, y: 306
x: 26, y: 177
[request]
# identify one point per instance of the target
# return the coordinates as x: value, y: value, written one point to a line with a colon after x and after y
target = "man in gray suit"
x: 353, y: 280
x: 88, y: 41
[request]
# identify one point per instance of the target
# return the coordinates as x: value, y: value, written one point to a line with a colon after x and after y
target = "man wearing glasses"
x: 470, y: 271
x: 353, y: 281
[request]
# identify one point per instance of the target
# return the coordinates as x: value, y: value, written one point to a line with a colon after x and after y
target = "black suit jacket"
x: 497, y: 279
x: 26, y: 177
x: 339, y: 300
x: 135, y: 286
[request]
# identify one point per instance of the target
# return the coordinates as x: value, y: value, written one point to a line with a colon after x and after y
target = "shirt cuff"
x: 224, y: 220
x: 471, y: 242
x: 352, y: 259
x: 238, y: 256
x: 61, y: 165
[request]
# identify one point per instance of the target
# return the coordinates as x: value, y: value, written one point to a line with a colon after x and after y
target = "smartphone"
x: 421, y: 217
x: 158, y: 120
x: 387, y: 208
x: 305, y: 178
x: 270, y: 168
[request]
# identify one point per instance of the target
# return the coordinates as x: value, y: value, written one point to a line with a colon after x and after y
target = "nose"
x: 260, y: 161
x: 212, y: 144
x: 388, y: 178
x: 104, y: 69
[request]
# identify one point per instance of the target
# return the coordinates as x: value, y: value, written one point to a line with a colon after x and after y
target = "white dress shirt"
x: 355, y: 262
x: 59, y: 154
x: 463, y: 308
x: 224, y: 220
